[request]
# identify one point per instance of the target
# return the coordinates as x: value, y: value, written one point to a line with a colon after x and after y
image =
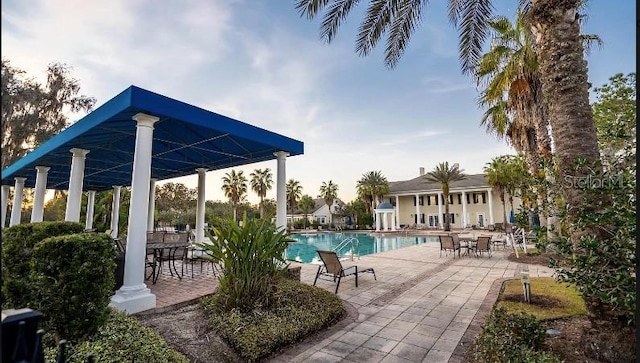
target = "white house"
x: 472, y: 202
x: 319, y: 213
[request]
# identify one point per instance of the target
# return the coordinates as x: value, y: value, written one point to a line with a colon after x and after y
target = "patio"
x: 418, y: 310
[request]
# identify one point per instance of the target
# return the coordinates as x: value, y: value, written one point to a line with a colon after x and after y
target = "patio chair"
x: 483, y: 245
x: 448, y: 244
x: 500, y: 239
x: 332, y: 267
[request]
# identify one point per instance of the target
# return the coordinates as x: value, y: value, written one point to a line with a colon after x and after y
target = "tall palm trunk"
x: 564, y: 84
x: 447, y: 217
x: 504, y: 209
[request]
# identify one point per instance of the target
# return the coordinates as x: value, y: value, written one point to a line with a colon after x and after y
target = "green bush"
x: 250, y: 257
x: 121, y: 339
x: 298, y: 310
x: 72, y: 277
x: 17, y: 244
x: 511, y: 338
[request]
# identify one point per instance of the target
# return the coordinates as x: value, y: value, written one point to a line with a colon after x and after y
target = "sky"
x: 260, y: 62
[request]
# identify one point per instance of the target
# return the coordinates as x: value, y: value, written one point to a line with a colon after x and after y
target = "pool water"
x: 306, y: 245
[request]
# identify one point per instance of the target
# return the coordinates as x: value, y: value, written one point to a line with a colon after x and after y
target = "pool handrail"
x: 351, y: 241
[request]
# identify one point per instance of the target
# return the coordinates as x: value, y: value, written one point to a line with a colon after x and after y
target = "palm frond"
x: 455, y: 8
x: 473, y: 32
x: 589, y: 40
x: 403, y: 26
x: 377, y: 18
x: 333, y: 18
x: 310, y: 8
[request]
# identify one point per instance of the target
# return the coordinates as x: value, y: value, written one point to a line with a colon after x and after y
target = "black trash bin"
x: 119, y: 270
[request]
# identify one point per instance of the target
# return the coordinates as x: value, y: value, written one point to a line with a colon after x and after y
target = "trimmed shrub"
x: 17, y: 244
x: 298, y: 310
x: 73, y: 280
x: 121, y: 339
x: 511, y: 338
x: 251, y: 257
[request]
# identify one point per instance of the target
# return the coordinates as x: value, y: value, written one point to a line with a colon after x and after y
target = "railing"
x: 354, y: 245
x: 22, y: 340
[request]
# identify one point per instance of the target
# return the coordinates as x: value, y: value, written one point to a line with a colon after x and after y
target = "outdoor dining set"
x: 478, y: 245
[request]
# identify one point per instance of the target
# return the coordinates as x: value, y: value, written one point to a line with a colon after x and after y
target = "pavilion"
x: 135, y: 139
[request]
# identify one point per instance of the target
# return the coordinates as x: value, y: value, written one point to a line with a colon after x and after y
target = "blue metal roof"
x: 185, y: 138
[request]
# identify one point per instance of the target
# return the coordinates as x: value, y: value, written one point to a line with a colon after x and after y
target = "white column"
x: 152, y: 204
x: 440, y: 219
x: 393, y: 220
x: 16, y: 210
x: 464, y: 210
x: 134, y: 296
x: 281, y: 190
x: 115, y: 211
x: 417, y: 209
x: 5, y: 198
x: 202, y: 173
x: 397, y: 214
x: 40, y: 189
x: 385, y: 221
x: 377, y: 221
x: 91, y: 201
x: 76, y: 176
x: 490, y: 197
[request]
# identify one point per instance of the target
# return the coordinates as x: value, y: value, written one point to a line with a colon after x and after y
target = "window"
x: 484, y: 198
x: 437, y: 198
x: 475, y: 198
x: 468, y: 202
x: 453, y: 218
x: 421, y: 200
x: 392, y: 201
x: 422, y: 218
x: 428, y: 200
x: 450, y: 198
x: 459, y: 198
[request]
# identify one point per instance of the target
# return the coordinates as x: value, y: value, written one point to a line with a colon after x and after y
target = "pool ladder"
x: 354, y: 245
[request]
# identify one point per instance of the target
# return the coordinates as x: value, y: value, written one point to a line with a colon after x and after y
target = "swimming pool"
x: 304, y: 249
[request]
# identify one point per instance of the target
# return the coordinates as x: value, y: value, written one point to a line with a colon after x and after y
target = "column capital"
x: 43, y: 169
x: 202, y: 170
x: 489, y: 190
x: 79, y: 152
x: 281, y: 154
x: 117, y: 187
x: 153, y: 180
x: 463, y: 192
x: 20, y: 179
x: 145, y: 120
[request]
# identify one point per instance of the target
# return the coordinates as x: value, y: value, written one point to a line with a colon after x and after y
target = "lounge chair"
x: 332, y: 267
x: 448, y: 244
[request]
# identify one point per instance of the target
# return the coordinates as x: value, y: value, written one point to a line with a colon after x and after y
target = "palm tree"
x: 261, y: 182
x: 497, y: 175
x: 445, y: 175
x: 329, y: 192
x: 372, y: 187
x: 306, y: 204
x: 234, y: 186
x: 294, y: 192
x: 559, y: 49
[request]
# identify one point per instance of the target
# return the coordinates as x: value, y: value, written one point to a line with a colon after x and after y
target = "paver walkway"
x: 418, y: 309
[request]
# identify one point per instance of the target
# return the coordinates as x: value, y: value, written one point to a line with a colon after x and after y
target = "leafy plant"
x: 251, y: 256
x: 17, y: 245
x: 511, y: 338
x: 72, y: 277
x: 298, y: 310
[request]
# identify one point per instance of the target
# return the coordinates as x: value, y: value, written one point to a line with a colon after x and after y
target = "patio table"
x: 159, y: 250
x: 467, y: 242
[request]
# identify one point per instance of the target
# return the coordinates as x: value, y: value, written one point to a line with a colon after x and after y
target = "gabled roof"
x: 421, y: 184
x: 185, y: 138
x: 319, y: 203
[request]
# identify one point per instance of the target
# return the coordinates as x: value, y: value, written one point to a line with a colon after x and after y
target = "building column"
x: 397, y: 214
x: 464, y: 210
x: 115, y: 211
x: 202, y: 173
x: 393, y: 220
x: 5, y: 198
x: 377, y: 221
x: 440, y: 219
x: 134, y: 296
x: 490, y: 206
x: 76, y: 177
x: 38, y: 199
x: 417, y: 209
x: 16, y: 210
x: 152, y: 205
x: 385, y: 221
x: 91, y: 201
x: 281, y: 190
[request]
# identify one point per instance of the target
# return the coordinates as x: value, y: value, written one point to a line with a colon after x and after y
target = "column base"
x: 133, y: 299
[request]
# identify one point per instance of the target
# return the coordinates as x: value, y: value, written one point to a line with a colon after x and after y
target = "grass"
x: 561, y: 300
